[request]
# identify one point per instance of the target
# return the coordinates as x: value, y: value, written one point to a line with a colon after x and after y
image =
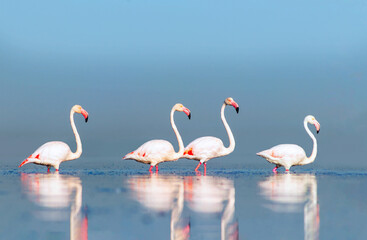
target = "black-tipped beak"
x: 317, y: 126
x: 237, y: 109
x: 85, y: 114
x: 317, y: 131
x: 189, y: 116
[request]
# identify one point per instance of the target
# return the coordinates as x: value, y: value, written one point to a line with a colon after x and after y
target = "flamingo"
x: 205, y: 148
x: 156, y: 151
x: 51, y: 154
x: 288, y: 155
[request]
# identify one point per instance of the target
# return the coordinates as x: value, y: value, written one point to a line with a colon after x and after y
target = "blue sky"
x: 129, y: 62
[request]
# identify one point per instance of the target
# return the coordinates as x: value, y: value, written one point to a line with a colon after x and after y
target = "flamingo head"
x: 79, y: 109
x: 312, y: 120
x: 230, y: 101
x: 181, y: 108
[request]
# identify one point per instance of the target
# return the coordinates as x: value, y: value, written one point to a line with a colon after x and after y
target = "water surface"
x: 178, y: 204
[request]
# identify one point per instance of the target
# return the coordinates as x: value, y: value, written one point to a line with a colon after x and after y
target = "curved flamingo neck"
x: 79, y: 150
x: 232, y: 142
x: 314, y: 149
x: 179, y: 139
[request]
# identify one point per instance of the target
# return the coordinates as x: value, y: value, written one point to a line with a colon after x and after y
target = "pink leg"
x: 57, y: 170
x: 150, y: 169
x: 287, y: 170
x: 156, y: 168
x: 275, y: 170
x: 198, y: 166
x: 48, y: 169
x: 205, y: 169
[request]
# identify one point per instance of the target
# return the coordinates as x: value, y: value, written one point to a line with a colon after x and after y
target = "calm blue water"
x: 179, y: 204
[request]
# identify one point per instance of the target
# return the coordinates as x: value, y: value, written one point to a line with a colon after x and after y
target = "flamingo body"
x: 204, y: 148
x: 288, y: 155
x: 51, y: 154
x: 152, y: 152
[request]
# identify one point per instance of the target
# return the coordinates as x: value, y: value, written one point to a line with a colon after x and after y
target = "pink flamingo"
x: 288, y: 155
x: 205, y: 148
x: 156, y: 151
x: 52, y: 154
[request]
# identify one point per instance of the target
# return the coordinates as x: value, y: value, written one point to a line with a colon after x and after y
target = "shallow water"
x: 178, y: 204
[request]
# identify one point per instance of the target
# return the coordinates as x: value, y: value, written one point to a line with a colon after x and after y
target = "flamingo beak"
x: 317, y: 126
x: 235, y: 105
x: 24, y: 162
x: 187, y: 111
x: 85, y: 114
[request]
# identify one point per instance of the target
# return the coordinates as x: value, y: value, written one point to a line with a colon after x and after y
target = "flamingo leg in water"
x: 156, y: 168
x: 57, y: 170
x: 275, y: 169
x: 150, y: 169
x: 197, y: 167
x: 205, y: 169
x: 48, y: 169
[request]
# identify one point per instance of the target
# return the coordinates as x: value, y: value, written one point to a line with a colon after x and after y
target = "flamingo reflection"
x: 204, y: 194
x: 288, y: 193
x: 55, y: 192
x: 160, y: 193
x: 213, y: 195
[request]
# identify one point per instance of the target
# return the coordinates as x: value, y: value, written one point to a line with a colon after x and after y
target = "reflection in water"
x: 206, y: 194
x: 53, y: 192
x: 288, y: 193
x: 162, y: 194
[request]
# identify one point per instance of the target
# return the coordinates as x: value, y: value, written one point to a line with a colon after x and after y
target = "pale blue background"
x: 128, y: 62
